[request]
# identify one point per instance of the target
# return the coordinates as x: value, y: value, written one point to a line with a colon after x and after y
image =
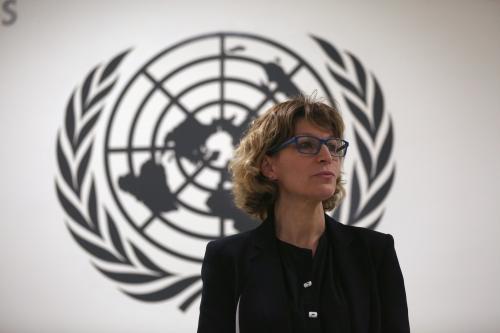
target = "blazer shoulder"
x: 371, y: 237
x: 231, y: 246
x: 367, y: 235
x: 374, y: 242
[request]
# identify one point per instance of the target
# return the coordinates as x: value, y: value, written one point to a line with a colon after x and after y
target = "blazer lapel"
x: 355, y: 272
x: 264, y: 304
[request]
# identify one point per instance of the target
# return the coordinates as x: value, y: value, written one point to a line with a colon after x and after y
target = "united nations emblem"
x: 166, y: 143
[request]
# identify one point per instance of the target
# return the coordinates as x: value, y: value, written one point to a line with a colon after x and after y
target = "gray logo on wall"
x: 144, y: 192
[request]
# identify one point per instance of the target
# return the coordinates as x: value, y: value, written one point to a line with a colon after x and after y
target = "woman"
x: 300, y: 270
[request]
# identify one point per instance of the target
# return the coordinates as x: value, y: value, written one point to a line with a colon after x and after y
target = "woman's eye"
x: 306, y: 144
x: 332, y: 147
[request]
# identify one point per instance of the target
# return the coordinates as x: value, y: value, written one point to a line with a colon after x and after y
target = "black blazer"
x: 244, y: 289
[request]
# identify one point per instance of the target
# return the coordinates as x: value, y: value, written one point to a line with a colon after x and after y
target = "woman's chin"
x: 324, y: 194
x: 327, y: 191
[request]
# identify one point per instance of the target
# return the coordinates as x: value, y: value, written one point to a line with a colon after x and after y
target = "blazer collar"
x: 353, y: 263
x: 339, y: 234
x: 265, y: 287
x: 265, y: 238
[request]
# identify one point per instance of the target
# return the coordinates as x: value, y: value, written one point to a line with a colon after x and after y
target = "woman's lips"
x: 325, y: 174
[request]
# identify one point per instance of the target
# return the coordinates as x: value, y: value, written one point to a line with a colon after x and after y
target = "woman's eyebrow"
x: 311, y: 134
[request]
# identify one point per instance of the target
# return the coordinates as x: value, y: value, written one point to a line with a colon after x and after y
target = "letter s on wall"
x: 8, y: 7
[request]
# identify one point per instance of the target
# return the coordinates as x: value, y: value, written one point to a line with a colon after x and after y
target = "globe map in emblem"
x: 174, y: 126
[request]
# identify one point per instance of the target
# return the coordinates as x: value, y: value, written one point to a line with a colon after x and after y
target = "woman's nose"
x: 324, y: 154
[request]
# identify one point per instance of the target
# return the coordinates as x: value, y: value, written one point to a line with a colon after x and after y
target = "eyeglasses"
x: 311, y: 145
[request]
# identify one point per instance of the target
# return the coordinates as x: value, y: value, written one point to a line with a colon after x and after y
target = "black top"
x: 316, y: 300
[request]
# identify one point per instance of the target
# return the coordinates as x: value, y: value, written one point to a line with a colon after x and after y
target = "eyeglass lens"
x: 312, y: 145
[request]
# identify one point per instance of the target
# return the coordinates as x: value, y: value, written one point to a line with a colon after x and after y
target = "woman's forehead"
x: 305, y: 127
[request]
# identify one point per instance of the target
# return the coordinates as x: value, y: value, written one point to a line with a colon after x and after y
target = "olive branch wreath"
x: 369, y: 115
x: 76, y: 192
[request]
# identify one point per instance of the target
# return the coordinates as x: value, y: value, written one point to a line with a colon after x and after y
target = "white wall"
x: 437, y: 62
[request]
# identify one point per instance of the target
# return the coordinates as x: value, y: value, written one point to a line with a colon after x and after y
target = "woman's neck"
x: 299, y: 223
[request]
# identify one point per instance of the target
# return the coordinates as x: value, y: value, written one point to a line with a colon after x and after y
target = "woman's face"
x: 300, y: 176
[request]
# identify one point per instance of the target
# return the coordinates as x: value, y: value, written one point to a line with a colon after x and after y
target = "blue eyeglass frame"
x: 294, y: 139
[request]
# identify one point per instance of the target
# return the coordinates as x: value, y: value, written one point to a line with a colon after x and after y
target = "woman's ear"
x: 267, y: 168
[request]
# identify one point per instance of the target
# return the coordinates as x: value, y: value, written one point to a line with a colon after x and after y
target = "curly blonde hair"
x: 253, y: 192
